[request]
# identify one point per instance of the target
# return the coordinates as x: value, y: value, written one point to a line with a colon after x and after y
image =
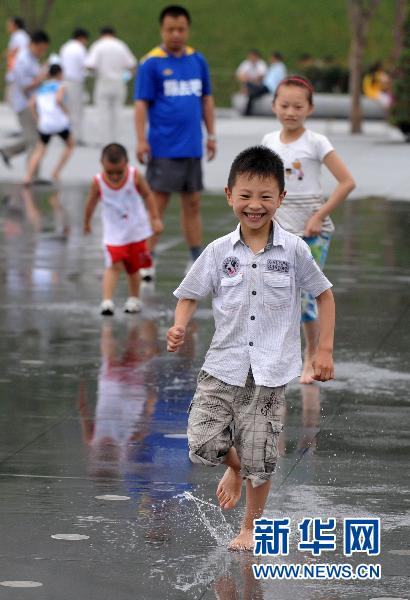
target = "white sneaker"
x: 107, y: 308
x: 133, y: 305
x: 148, y: 274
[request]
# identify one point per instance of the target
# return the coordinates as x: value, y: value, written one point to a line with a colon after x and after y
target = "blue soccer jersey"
x: 173, y: 86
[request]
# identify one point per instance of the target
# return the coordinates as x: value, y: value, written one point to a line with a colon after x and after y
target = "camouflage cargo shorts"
x: 223, y: 415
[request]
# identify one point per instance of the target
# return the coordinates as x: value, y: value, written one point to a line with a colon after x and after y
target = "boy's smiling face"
x: 254, y: 201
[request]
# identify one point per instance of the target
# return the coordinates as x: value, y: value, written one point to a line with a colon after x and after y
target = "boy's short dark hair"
x: 19, y: 22
x: 257, y: 161
x: 114, y: 153
x: 39, y: 37
x: 174, y: 10
x: 54, y: 70
x: 80, y: 33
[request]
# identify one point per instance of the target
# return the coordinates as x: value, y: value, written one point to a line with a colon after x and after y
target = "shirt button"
x: 253, y: 293
x: 252, y: 318
x: 250, y: 343
x: 254, y: 265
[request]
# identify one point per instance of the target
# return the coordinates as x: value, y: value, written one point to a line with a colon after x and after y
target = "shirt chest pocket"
x: 276, y: 290
x: 232, y: 291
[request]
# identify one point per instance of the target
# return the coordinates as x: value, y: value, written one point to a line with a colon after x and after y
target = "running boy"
x: 51, y: 114
x: 126, y: 224
x: 254, y: 275
x: 304, y: 211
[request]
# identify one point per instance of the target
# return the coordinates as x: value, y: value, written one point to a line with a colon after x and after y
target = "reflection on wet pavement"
x: 98, y: 496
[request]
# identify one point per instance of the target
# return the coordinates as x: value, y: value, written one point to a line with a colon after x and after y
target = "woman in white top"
x: 304, y: 211
x: 52, y: 118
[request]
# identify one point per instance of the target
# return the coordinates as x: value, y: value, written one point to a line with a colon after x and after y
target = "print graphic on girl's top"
x: 230, y: 266
x: 295, y: 172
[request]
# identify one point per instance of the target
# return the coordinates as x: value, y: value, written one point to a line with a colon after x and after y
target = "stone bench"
x: 327, y: 106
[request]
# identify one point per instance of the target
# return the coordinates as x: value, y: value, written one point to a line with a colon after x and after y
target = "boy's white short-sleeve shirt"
x: 256, y: 305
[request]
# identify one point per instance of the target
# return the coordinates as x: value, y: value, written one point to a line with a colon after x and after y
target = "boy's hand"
x: 323, y: 365
x: 313, y: 227
x: 87, y: 228
x: 157, y: 225
x: 175, y: 338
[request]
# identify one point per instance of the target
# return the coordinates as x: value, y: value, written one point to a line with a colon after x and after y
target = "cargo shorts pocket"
x: 232, y: 291
x: 274, y: 429
x: 276, y: 290
x: 201, y: 376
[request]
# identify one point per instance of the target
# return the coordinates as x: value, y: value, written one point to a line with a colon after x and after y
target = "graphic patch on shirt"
x: 183, y: 87
x: 295, y: 171
x: 230, y: 266
x: 281, y: 266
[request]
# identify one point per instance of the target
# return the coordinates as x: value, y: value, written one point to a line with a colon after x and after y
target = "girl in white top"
x: 304, y: 211
x: 126, y: 224
x: 51, y: 114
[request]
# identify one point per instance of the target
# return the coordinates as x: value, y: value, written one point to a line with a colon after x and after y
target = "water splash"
x: 211, y: 517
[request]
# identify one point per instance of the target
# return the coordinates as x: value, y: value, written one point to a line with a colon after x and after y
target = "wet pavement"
x: 93, y: 418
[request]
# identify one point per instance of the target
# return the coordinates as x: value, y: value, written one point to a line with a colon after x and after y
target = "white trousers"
x: 109, y: 98
x: 75, y: 105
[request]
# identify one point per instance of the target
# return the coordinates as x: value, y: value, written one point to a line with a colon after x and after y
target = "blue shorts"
x: 319, y: 246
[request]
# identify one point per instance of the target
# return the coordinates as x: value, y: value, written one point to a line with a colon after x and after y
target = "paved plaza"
x: 98, y: 498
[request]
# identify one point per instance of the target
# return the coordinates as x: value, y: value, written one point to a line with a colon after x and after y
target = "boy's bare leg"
x: 68, y: 150
x: 34, y: 161
x: 311, y: 331
x: 255, y: 505
x: 110, y: 280
x: 229, y: 489
x: 134, y: 284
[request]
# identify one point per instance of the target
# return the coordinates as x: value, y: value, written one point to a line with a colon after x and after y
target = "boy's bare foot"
x: 243, y: 541
x: 229, y: 489
x: 308, y: 370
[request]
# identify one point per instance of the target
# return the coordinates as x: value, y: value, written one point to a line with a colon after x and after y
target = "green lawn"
x: 225, y: 29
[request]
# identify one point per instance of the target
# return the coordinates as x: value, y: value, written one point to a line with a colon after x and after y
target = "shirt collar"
x: 276, y: 237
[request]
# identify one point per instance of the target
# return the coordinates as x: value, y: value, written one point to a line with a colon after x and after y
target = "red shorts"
x: 133, y: 256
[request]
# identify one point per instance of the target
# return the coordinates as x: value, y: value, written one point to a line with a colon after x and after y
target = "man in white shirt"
x: 113, y: 64
x: 25, y: 78
x: 275, y: 73
x: 251, y: 70
x: 72, y: 55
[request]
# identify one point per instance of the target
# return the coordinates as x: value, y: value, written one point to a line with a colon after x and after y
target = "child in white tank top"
x: 304, y: 211
x: 51, y: 115
x: 129, y: 218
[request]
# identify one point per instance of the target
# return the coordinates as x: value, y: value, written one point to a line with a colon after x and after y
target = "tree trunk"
x: 360, y: 13
x: 36, y: 12
x: 355, y: 64
x: 399, y: 18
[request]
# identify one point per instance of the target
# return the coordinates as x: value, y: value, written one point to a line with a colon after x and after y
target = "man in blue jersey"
x: 173, y: 95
